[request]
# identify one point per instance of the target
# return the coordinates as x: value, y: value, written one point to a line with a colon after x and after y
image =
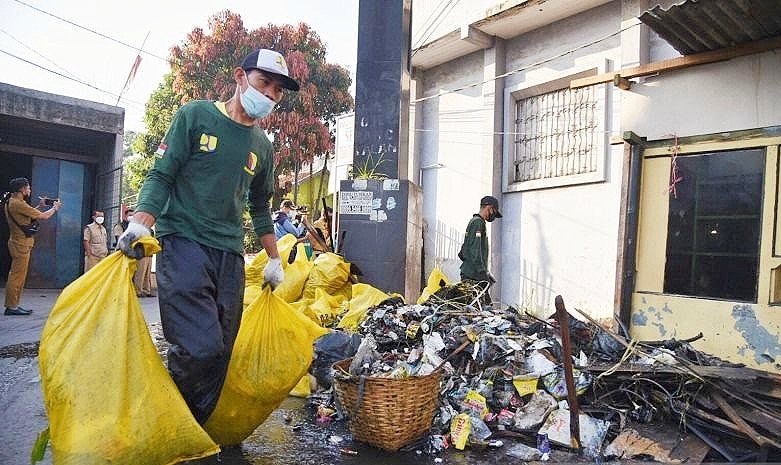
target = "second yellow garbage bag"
x: 108, y: 397
x: 436, y: 280
x: 253, y: 271
x: 330, y: 273
x: 365, y: 296
x: 273, y: 350
x: 296, y: 275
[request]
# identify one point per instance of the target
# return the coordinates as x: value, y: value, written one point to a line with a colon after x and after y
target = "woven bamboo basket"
x: 392, y: 412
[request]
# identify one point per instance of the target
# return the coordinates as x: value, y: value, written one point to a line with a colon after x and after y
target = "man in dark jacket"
x: 474, y: 250
x: 283, y: 221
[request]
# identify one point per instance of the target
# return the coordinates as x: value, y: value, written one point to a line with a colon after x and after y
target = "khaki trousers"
x: 17, y: 275
x: 90, y: 261
x: 143, y: 276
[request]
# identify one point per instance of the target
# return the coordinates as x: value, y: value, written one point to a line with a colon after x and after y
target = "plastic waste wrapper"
x: 436, y: 281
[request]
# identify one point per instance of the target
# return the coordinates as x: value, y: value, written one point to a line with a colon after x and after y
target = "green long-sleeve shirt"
x: 474, y: 250
x: 206, y: 168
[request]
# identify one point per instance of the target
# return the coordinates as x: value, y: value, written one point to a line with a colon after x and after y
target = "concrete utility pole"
x: 379, y: 208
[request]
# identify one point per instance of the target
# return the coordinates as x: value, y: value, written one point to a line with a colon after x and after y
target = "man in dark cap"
x: 284, y: 221
x: 474, y: 250
x: 213, y: 158
x: 18, y: 214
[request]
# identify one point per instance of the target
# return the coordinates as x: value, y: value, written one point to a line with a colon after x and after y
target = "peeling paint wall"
x: 739, y: 333
x: 760, y: 344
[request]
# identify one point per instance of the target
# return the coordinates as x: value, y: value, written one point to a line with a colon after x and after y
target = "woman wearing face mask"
x: 213, y: 159
x: 95, y: 241
x: 474, y: 250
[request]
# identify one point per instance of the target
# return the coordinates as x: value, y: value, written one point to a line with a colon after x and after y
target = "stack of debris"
x: 508, y: 375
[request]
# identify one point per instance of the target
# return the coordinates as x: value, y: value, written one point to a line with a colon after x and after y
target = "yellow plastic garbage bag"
x: 330, y: 274
x: 251, y: 292
x: 296, y: 275
x: 326, y: 307
x: 345, y: 292
x: 304, y: 387
x: 108, y: 397
x: 253, y: 272
x: 436, y: 281
x: 304, y: 306
x: 364, y: 297
x: 273, y: 350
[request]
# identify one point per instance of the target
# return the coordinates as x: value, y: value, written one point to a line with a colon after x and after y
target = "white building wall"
x: 563, y: 240
x: 432, y: 19
x: 742, y: 93
x: 559, y: 240
x: 455, y: 163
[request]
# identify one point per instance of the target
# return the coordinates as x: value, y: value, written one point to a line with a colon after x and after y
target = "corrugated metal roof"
x: 695, y: 26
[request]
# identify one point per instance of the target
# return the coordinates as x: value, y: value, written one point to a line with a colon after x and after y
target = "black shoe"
x: 17, y: 311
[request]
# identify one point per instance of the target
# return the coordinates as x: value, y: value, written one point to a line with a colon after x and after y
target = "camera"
x: 300, y: 213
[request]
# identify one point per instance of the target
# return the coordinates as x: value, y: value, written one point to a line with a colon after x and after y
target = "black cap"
x: 271, y: 62
x: 489, y: 200
x: 17, y: 184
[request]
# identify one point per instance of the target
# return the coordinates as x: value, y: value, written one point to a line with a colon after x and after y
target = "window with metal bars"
x: 557, y: 135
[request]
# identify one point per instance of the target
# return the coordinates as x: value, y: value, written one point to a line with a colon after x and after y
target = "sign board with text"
x: 355, y: 202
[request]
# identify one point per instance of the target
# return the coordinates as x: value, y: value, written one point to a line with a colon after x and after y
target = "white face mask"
x: 255, y: 103
x: 99, y: 220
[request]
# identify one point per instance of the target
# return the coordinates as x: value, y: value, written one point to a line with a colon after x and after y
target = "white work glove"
x: 133, y: 233
x: 273, y: 273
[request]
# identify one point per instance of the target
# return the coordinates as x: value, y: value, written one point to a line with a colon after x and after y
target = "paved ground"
x: 22, y: 412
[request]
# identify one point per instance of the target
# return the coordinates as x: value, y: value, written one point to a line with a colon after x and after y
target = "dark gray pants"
x: 201, y: 292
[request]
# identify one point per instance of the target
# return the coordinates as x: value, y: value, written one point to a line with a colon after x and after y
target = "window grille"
x: 557, y: 135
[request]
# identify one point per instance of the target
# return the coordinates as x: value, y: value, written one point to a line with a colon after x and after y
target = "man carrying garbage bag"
x: 213, y: 158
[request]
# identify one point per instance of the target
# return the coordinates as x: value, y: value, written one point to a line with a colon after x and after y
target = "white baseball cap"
x: 270, y: 62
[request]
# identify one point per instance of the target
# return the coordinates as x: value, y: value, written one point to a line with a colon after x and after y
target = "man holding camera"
x: 18, y: 214
x: 213, y: 158
x: 287, y: 220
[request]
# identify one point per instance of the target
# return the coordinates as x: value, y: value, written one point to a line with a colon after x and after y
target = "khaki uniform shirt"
x: 95, y: 235
x: 23, y: 213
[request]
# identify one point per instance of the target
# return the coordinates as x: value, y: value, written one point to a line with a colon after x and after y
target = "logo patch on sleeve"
x: 161, y: 149
x: 252, y: 164
x: 208, y: 143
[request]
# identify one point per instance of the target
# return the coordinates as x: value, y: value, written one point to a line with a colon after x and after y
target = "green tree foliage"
x: 135, y: 169
x: 160, y: 110
x: 127, y: 156
x: 127, y: 143
x: 140, y: 147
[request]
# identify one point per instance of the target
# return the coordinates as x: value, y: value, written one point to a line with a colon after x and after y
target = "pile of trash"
x: 504, y: 378
x: 505, y: 373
